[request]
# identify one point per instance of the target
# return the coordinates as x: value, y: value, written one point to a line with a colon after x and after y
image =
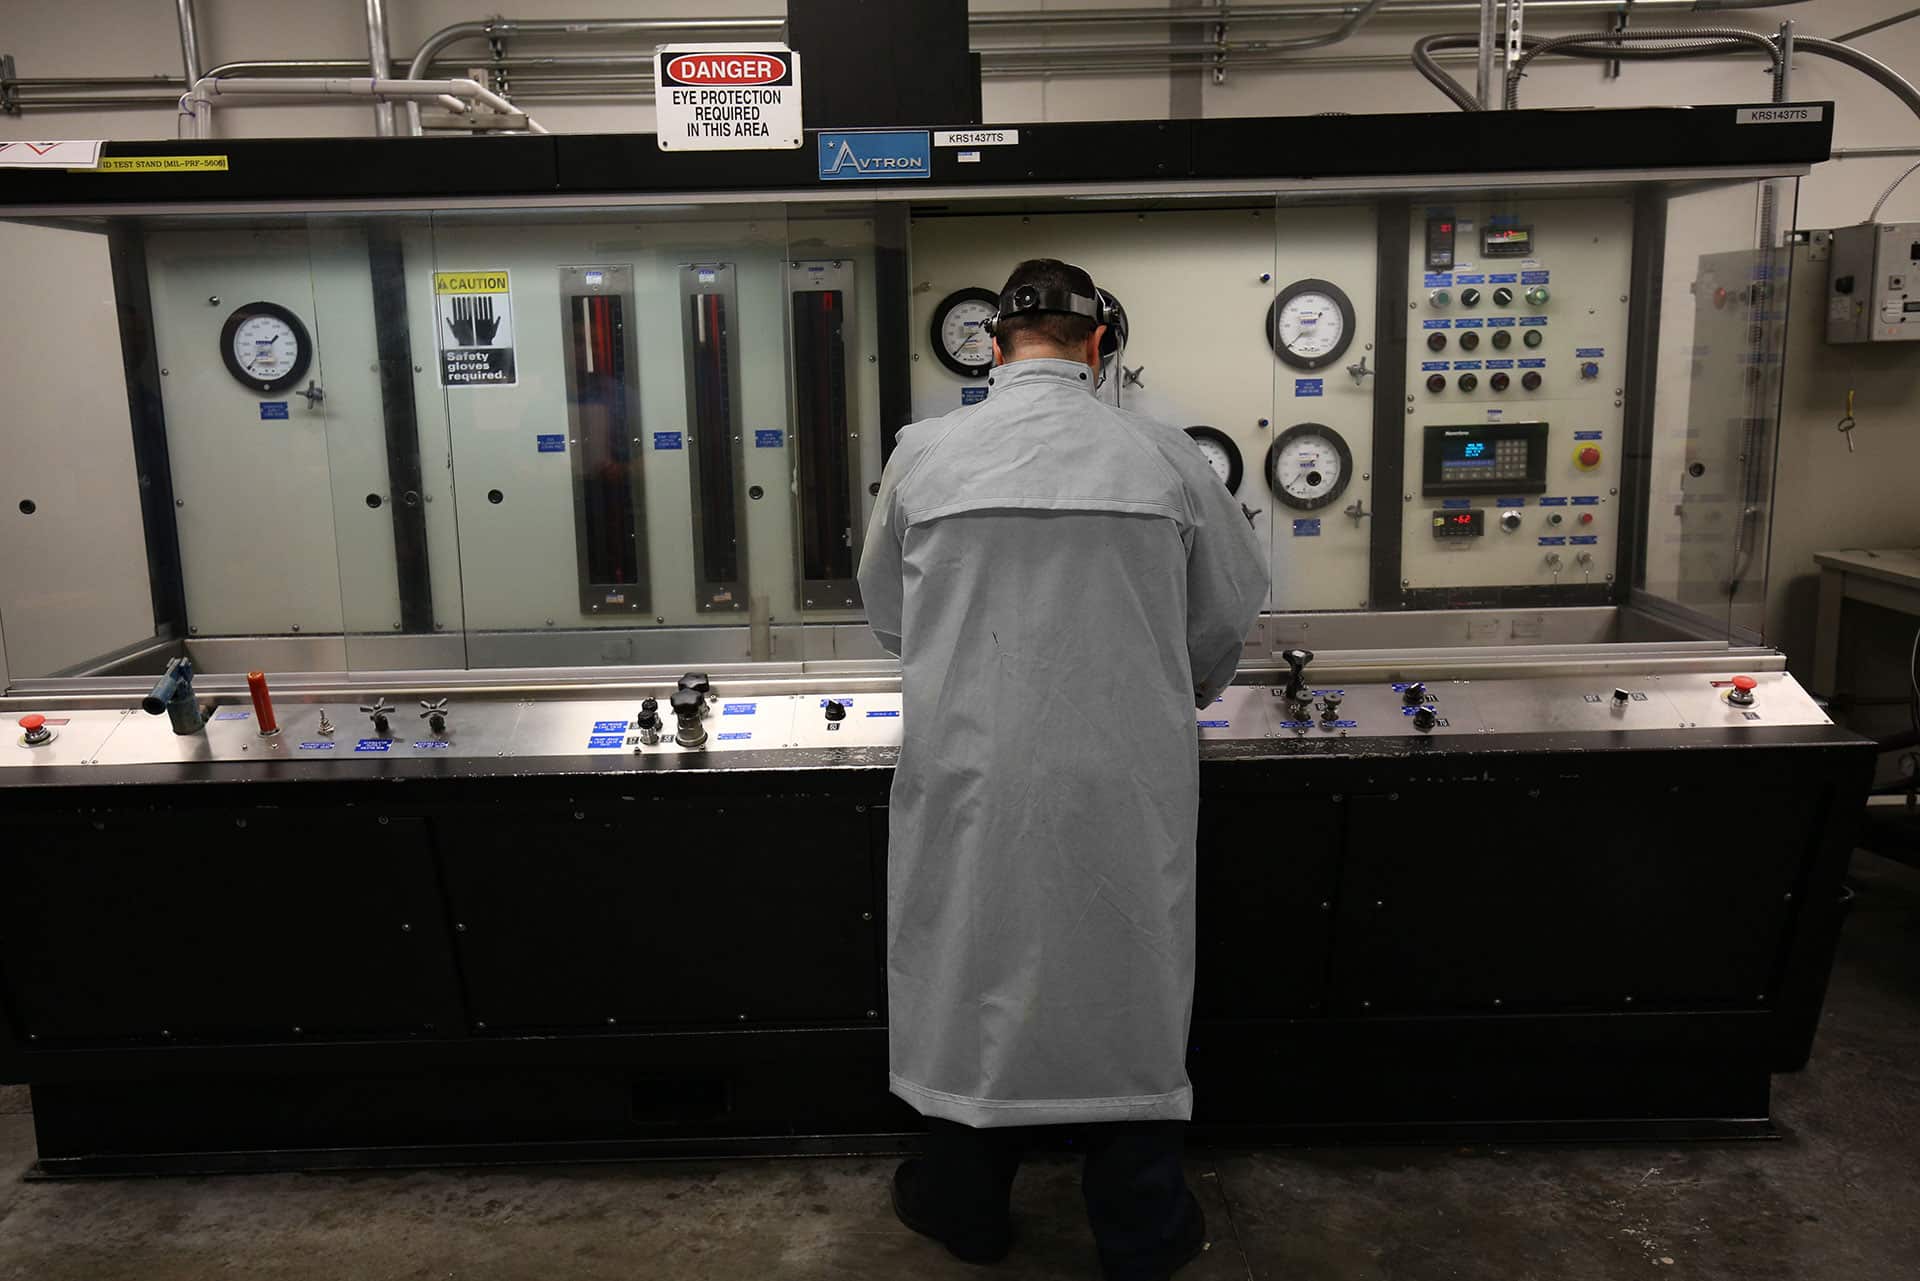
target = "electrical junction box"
x: 1873, y: 283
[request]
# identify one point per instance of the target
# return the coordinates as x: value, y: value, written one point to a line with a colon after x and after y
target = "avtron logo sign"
x: 890, y: 153
x: 724, y: 69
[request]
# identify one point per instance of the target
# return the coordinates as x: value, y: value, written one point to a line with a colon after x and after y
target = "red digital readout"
x: 1463, y: 520
x: 1446, y: 227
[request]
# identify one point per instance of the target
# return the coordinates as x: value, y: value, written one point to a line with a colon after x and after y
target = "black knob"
x: 1468, y: 382
x: 1469, y: 297
x: 1296, y: 660
x: 1621, y: 696
x: 1503, y: 297
x: 687, y: 704
x: 1414, y: 695
x: 1423, y: 718
x: 1469, y: 340
x: 836, y: 710
x: 1436, y: 382
x: 1437, y: 340
x: 1503, y: 338
x: 696, y: 681
x: 649, y: 717
x: 1531, y: 380
x: 1499, y: 381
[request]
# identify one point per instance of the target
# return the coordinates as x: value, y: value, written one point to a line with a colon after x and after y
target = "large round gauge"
x: 960, y: 337
x: 1221, y: 454
x: 1310, y: 323
x: 1308, y: 466
x: 265, y: 347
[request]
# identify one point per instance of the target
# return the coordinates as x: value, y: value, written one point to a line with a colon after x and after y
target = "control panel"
x: 1517, y: 325
x: 700, y: 723
x: 1873, y: 283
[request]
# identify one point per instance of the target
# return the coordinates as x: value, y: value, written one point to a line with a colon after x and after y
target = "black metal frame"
x: 127, y: 254
x: 405, y: 478
x: 1394, y: 228
x: 1641, y: 362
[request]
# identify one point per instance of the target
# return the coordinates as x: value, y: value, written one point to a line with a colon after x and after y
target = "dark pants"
x: 1137, y: 1198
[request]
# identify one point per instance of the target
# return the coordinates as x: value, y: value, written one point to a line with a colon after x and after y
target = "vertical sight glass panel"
x: 829, y: 518
x: 713, y: 426
x: 603, y: 411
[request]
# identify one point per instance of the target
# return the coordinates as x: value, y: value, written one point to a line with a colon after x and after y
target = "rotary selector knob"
x: 1414, y: 695
x: 1424, y: 718
x: 836, y: 710
x: 1503, y: 297
x: 688, y: 705
x: 1469, y: 297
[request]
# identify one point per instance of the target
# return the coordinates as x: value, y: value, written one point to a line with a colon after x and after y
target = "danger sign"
x: 727, y: 97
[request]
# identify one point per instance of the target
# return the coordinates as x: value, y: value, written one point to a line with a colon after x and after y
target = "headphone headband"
x: 1031, y: 300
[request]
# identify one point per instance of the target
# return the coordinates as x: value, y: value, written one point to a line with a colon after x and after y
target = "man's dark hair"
x: 1048, y: 327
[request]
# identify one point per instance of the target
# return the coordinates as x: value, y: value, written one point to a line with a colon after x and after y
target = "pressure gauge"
x: 1310, y: 323
x: 265, y: 347
x: 1221, y: 454
x: 960, y: 337
x: 1309, y: 466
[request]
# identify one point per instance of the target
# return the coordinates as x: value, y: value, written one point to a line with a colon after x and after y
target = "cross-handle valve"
x: 381, y: 712
x: 434, y: 714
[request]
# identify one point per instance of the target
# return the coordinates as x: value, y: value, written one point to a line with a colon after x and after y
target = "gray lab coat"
x: 1065, y: 583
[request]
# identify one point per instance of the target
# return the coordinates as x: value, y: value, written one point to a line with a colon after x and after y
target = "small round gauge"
x: 1221, y: 454
x: 1309, y: 466
x: 960, y: 339
x: 265, y: 347
x: 1310, y: 323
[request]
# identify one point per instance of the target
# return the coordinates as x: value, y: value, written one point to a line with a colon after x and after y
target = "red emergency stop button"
x: 1587, y: 457
x: 1741, y: 695
x: 36, y: 729
x: 1746, y: 683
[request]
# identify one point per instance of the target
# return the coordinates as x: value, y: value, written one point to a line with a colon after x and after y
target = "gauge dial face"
x: 960, y: 337
x: 1310, y: 323
x: 265, y: 346
x: 1221, y: 454
x: 1309, y: 466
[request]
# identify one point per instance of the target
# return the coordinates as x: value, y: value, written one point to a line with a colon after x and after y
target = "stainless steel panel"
x: 1576, y: 705
x: 1777, y: 700
x: 77, y: 738
x: 1377, y: 711
x: 1240, y: 712
x: 872, y: 720
x: 479, y: 728
x: 602, y: 647
x: 606, y: 728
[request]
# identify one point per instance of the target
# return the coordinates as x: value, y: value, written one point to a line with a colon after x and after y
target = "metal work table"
x: 1889, y: 578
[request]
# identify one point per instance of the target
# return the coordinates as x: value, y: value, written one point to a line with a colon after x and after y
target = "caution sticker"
x: 158, y: 164
x: 475, y: 314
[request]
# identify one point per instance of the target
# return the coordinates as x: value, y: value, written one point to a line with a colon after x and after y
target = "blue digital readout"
x: 1475, y: 448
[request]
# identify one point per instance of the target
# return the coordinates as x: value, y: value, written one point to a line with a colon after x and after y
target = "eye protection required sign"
x: 474, y: 313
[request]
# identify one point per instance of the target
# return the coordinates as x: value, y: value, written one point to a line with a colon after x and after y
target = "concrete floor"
x: 1833, y: 1202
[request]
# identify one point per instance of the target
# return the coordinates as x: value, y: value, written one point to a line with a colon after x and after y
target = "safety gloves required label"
x: 474, y: 313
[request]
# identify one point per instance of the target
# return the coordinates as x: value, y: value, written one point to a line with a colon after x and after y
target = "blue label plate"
x: 876, y: 154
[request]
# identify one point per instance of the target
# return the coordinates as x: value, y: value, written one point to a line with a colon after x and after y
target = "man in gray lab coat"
x: 1065, y: 582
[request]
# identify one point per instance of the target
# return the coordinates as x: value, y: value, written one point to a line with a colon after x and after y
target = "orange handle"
x: 262, y: 702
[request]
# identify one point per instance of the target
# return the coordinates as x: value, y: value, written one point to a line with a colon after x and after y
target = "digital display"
x: 1480, y: 459
x: 1507, y: 241
x: 1440, y: 243
x: 1485, y: 458
x: 1468, y: 523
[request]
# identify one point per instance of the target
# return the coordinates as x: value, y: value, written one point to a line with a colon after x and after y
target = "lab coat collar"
x: 1014, y: 373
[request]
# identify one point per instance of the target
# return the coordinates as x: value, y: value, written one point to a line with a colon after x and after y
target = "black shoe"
x: 1189, y: 1244
x: 910, y: 1206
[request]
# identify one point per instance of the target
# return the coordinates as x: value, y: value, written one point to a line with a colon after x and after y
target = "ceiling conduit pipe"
x: 196, y: 106
x: 379, y: 65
